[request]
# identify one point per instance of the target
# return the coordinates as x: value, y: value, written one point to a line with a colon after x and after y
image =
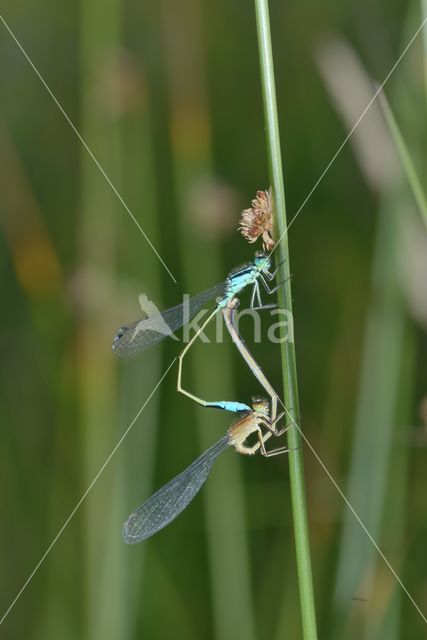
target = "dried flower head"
x: 258, y: 220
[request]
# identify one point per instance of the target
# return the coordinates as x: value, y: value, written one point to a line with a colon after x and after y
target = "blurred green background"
x: 167, y: 97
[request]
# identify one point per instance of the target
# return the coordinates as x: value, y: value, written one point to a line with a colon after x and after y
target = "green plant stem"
x: 290, y: 384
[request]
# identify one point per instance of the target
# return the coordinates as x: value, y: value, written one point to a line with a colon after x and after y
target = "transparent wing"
x: 169, y: 501
x: 146, y: 332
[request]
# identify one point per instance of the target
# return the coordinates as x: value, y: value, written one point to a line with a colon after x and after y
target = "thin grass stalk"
x: 405, y: 158
x: 290, y: 383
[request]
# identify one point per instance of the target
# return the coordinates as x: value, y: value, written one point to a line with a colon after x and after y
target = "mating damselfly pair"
x: 260, y: 418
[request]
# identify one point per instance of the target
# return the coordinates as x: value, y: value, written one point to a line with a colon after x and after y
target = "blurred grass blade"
x: 103, y: 573
x: 192, y: 159
x: 138, y: 376
x: 423, y: 5
x: 405, y: 157
x: 386, y: 619
x: 367, y: 488
x: 375, y: 416
x: 287, y: 347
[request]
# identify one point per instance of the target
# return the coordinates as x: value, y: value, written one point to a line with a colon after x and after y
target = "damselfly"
x: 169, y: 501
x: 141, y: 334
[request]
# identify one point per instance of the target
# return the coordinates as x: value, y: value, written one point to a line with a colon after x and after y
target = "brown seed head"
x: 258, y: 220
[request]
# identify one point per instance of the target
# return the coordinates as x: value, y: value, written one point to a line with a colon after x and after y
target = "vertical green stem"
x: 290, y: 386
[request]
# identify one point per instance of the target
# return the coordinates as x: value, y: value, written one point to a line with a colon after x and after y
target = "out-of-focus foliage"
x: 167, y: 97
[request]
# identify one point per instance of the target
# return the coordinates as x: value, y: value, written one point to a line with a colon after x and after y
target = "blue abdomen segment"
x: 234, y: 407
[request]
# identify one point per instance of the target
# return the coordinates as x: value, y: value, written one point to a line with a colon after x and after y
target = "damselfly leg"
x: 262, y: 439
x: 270, y: 275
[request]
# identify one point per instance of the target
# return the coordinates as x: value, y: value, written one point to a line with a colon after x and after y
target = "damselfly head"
x: 261, y: 405
x: 262, y: 261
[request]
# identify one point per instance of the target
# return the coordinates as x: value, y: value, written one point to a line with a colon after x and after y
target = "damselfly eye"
x: 261, y: 405
x: 262, y: 261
